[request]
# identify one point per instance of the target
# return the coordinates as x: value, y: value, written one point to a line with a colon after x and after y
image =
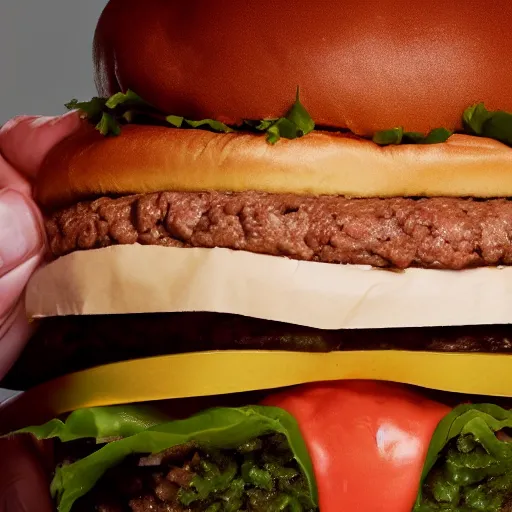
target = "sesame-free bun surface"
x: 363, y: 65
x: 147, y: 159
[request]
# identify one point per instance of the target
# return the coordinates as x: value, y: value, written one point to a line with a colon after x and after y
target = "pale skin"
x: 24, y: 143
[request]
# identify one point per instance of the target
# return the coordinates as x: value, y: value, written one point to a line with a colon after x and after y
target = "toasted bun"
x: 150, y: 159
x: 365, y: 66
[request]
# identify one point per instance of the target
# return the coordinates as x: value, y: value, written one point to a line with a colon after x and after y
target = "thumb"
x: 21, y: 240
x: 24, y: 485
x: 21, y: 251
x: 26, y: 140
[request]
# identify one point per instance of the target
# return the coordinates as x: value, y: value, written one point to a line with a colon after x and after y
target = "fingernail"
x: 20, y: 234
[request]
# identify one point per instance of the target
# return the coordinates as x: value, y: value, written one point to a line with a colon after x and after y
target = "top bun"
x: 365, y: 66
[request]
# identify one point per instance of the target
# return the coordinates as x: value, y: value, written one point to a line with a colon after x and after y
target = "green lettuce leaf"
x: 398, y: 136
x: 98, y: 423
x: 467, y: 468
x: 215, y: 428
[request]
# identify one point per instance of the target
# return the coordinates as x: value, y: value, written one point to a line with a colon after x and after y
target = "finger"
x: 21, y: 252
x: 26, y: 140
x: 14, y: 334
x: 12, y: 286
x: 24, y: 486
x: 12, y: 179
x: 21, y: 232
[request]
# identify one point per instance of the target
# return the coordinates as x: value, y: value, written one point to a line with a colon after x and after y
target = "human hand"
x: 24, y: 480
x: 24, y: 142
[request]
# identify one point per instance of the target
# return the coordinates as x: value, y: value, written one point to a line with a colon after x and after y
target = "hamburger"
x: 341, y: 148
x: 344, y: 135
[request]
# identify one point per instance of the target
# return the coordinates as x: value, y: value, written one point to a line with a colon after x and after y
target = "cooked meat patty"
x: 443, y: 233
x: 67, y: 344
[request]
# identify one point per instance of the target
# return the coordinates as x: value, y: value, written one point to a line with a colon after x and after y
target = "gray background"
x: 45, y: 54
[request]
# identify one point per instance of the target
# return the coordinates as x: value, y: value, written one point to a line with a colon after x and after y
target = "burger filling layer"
x: 259, y: 476
x: 66, y: 344
x: 444, y: 233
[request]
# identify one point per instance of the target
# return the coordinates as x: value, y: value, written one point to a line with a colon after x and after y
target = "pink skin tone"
x: 24, y: 142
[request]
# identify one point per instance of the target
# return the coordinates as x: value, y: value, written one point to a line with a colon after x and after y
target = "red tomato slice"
x: 368, y: 441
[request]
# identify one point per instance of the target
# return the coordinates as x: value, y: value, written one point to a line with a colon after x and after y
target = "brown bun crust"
x: 365, y: 66
x: 151, y: 159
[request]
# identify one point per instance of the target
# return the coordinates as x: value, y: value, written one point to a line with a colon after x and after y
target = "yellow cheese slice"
x: 223, y: 372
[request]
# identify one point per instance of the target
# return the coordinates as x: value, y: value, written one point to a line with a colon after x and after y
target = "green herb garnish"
x: 485, y: 123
x: 126, y: 99
x: 296, y: 123
x: 477, y: 120
x: 91, y: 109
x: 110, y: 114
x: 398, y: 136
x: 216, y: 126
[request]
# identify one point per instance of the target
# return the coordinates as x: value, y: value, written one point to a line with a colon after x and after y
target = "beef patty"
x: 443, y: 233
x: 66, y: 344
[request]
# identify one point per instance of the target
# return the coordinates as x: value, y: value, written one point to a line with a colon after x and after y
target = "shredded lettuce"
x: 468, y: 468
x: 144, y: 432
